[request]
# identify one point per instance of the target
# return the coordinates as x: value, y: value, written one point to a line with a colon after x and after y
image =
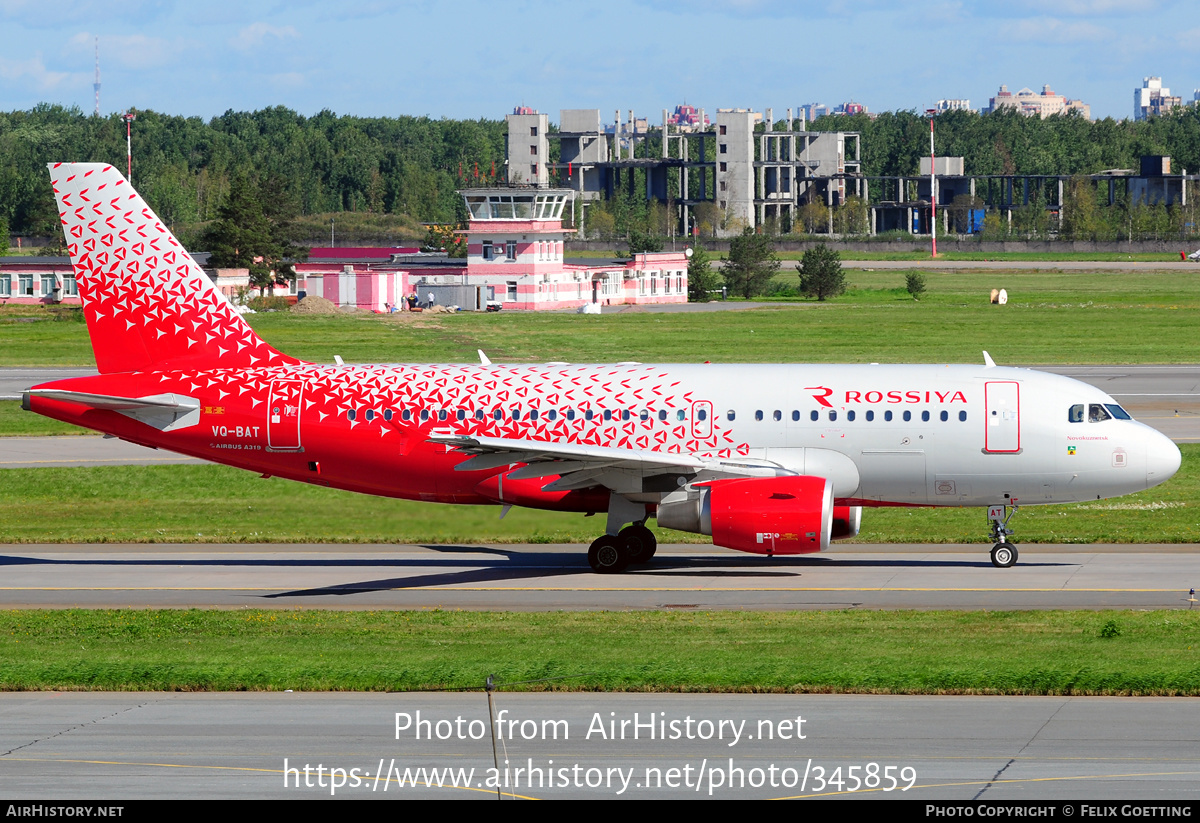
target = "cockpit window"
x: 1097, y: 413
x: 1075, y: 414
x: 1117, y: 411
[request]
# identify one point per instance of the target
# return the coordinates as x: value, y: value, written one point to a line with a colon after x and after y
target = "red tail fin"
x: 148, y: 305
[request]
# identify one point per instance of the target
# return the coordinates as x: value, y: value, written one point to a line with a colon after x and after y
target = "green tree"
x: 914, y: 284
x: 244, y: 236
x: 821, y: 273
x: 751, y: 265
x: 3, y: 236
x: 701, y: 278
x: 641, y: 242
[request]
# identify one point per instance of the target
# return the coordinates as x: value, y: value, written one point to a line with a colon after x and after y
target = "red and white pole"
x: 129, y: 117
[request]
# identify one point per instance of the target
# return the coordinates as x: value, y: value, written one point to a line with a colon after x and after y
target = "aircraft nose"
x: 1162, y: 459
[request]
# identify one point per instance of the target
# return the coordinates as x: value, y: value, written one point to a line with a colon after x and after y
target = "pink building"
x: 38, y: 280
x: 515, y: 256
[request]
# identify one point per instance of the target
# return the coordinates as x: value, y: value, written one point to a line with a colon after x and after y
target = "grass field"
x: 1051, y: 317
x: 1054, y: 653
x: 216, y: 504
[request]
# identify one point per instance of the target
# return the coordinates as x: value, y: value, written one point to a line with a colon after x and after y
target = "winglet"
x: 988, y: 361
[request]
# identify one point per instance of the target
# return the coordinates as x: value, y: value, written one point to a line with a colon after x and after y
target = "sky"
x: 472, y: 60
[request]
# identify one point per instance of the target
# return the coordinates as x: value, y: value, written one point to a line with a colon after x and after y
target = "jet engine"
x: 761, y: 515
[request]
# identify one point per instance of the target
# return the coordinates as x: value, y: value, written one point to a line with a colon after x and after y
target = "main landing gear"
x: 610, y: 554
x: 1004, y: 553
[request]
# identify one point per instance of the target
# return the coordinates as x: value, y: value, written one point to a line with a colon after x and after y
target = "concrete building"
x: 1153, y: 99
x: 528, y: 148
x: 1033, y: 104
x: 953, y: 105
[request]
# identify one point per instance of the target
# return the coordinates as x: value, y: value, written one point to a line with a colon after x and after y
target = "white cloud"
x: 256, y: 34
x: 132, y: 51
x: 1095, y: 8
x: 34, y: 72
x: 1053, y: 30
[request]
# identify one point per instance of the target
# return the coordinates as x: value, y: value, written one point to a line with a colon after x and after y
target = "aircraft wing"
x: 579, y: 466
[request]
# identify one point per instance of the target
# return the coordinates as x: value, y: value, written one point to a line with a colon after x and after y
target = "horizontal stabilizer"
x: 165, y: 412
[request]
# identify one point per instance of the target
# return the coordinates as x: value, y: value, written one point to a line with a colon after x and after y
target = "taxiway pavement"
x: 552, y: 577
x: 56, y: 746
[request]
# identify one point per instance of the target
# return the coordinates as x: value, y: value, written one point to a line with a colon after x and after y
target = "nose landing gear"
x: 1004, y: 553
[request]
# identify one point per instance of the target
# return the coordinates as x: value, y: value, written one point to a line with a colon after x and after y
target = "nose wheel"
x: 1004, y: 553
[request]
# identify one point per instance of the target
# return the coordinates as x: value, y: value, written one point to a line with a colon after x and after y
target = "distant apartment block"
x: 812, y: 111
x: 1153, y: 99
x: 953, y: 105
x: 688, y: 118
x: 850, y: 108
x: 1033, y: 104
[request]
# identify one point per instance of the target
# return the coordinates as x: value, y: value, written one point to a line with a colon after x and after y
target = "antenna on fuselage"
x: 483, y: 358
x: 988, y: 361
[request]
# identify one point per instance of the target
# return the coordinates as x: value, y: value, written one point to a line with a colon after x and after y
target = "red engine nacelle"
x: 772, y: 515
x: 846, y: 522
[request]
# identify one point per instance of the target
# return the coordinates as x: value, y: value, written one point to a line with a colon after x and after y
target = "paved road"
x: 551, y: 577
x: 56, y: 746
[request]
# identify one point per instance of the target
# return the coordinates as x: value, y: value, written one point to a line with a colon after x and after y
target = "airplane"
x: 767, y: 459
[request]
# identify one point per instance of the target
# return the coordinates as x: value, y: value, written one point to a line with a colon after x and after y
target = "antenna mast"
x: 96, y: 85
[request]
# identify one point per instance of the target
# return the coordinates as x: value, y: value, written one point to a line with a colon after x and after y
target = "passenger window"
x: 516, y: 414
x: 533, y: 414
x: 832, y: 414
x: 731, y: 414
x: 887, y: 415
x: 424, y: 414
x: 907, y: 416
x: 850, y: 415
x: 479, y: 414
x: 925, y: 416
x: 962, y: 416
x: 589, y: 414
x: 624, y: 414
x: 570, y: 414
x: 498, y: 414
x: 758, y: 415
x: 816, y: 415
x: 1097, y: 413
x: 351, y: 414
x: 461, y: 414
x: 795, y: 414
x: 662, y: 415
x: 681, y: 415
x: 551, y: 414
x: 370, y: 415
x: 406, y: 415
x: 387, y: 415
x: 945, y: 415
x: 778, y: 415
x: 1075, y: 413
x: 870, y: 415
x: 701, y: 415
x: 441, y: 414
x: 644, y: 416
x: 608, y: 414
